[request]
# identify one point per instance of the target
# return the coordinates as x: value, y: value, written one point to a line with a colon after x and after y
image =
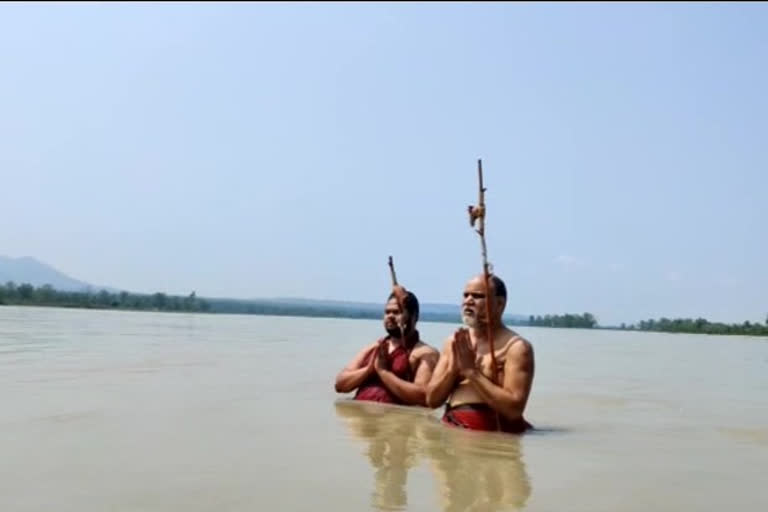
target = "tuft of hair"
x: 500, y: 289
x: 411, y: 304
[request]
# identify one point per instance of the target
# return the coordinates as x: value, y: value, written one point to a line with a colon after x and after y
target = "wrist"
x: 469, y: 373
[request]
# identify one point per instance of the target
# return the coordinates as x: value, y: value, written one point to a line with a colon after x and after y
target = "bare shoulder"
x: 423, y: 349
x: 518, y: 349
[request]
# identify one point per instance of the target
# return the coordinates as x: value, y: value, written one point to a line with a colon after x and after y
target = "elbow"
x: 340, y: 387
x: 421, y: 398
x: 430, y: 398
x: 512, y: 409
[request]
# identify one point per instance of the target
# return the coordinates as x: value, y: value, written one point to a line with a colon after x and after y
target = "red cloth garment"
x: 482, y: 417
x: 373, y: 389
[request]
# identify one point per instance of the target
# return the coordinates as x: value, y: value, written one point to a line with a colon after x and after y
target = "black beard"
x: 395, y: 332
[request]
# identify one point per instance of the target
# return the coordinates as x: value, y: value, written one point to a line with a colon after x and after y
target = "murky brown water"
x: 146, y: 411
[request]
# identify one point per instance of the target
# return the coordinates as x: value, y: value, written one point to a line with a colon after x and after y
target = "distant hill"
x: 29, y: 270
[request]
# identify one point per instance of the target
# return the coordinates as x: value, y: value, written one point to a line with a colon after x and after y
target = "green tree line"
x: 27, y: 295
x: 700, y: 326
x: 584, y: 321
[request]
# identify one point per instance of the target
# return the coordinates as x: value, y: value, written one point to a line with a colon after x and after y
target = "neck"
x: 480, y: 332
x: 410, y: 338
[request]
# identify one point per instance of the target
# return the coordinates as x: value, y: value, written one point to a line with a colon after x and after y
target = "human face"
x: 393, y: 317
x: 475, y: 303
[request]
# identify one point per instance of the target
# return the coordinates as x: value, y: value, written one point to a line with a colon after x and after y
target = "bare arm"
x: 510, y: 398
x: 412, y: 393
x: 444, y: 377
x: 355, y: 372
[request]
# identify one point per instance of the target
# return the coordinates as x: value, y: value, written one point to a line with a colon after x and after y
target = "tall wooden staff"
x: 477, y: 214
x: 398, y: 292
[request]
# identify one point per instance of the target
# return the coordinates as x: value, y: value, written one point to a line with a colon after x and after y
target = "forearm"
x: 497, y: 397
x: 408, y: 392
x: 349, y: 380
x: 439, y: 389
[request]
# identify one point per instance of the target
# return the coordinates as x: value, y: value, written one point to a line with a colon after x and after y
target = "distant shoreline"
x: 47, y: 296
x: 455, y: 321
x: 288, y: 312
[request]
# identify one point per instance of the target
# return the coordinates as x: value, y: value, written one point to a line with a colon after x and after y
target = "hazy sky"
x: 251, y: 150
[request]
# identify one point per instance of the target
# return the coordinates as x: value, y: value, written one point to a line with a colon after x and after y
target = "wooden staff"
x: 396, y: 289
x: 477, y: 214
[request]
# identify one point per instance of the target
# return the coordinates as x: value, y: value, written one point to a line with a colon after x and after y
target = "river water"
x: 135, y: 411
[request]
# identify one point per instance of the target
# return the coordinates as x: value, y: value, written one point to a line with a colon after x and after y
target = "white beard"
x: 470, y: 321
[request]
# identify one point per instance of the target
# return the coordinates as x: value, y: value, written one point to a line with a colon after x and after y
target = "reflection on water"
x: 475, y: 471
x: 392, y: 448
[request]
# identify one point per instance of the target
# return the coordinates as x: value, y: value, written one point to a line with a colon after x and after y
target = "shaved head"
x: 474, y: 304
x: 496, y: 284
